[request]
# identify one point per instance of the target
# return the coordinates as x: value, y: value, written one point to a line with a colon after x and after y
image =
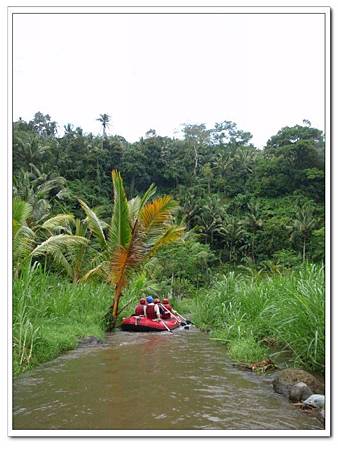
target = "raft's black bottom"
x: 139, y: 328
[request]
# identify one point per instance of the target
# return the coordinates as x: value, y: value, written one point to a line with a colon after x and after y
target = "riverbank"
x: 256, y: 316
x: 51, y: 315
x: 260, y: 316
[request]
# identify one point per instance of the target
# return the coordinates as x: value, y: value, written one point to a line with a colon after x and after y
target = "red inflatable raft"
x: 139, y: 323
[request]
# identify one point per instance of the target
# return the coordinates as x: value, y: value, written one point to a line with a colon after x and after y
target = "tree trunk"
x: 120, y: 283
x: 196, y: 160
x: 115, y: 304
x: 304, y: 250
x: 253, y: 249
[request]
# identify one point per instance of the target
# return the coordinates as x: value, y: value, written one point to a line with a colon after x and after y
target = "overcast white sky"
x: 160, y: 71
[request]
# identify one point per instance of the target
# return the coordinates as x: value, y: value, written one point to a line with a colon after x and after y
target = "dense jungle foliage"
x: 246, y: 210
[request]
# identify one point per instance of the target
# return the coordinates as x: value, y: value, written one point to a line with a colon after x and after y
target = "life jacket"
x: 150, y: 311
x: 168, y: 307
x: 139, y: 310
x: 161, y: 309
x: 166, y: 315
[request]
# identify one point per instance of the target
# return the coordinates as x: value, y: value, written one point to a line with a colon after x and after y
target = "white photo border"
x: 326, y: 12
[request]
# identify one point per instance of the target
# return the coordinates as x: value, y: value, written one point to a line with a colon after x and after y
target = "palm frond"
x: 150, y: 192
x: 23, y: 236
x: 94, y: 223
x: 120, y: 231
x: 172, y: 233
x: 126, y: 258
x: 80, y: 228
x: 63, y: 242
x: 41, y: 210
x: 61, y: 260
x: 134, y: 206
x: 21, y: 210
x: 101, y: 269
x: 59, y: 222
x: 92, y: 272
x: 123, y: 260
x: 157, y: 213
x: 46, y: 187
x: 23, y: 243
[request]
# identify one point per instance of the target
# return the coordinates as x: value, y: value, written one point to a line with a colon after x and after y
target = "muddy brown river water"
x: 151, y: 381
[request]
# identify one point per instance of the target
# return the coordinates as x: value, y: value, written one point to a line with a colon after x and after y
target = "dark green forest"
x: 249, y: 206
x: 247, y: 211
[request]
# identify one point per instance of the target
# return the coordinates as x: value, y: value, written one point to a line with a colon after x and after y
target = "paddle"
x: 166, y: 326
x: 184, y: 322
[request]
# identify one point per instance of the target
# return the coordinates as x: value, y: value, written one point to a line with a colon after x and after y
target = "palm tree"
x: 253, y: 223
x: 38, y: 190
x: 233, y: 234
x: 302, y: 227
x: 53, y: 237
x: 104, y: 119
x: 66, y: 242
x: 246, y: 157
x: 23, y: 235
x: 137, y: 230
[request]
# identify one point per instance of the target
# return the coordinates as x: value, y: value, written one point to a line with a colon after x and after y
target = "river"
x: 150, y: 381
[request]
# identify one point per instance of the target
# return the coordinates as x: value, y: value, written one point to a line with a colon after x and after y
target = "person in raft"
x: 157, y: 301
x: 152, y: 310
x: 140, y: 308
x: 168, y: 309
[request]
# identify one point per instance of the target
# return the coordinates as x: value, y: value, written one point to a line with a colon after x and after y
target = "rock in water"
x: 89, y: 341
x: 316, y: 400
x: 285, y: 379
x: 299, y: 391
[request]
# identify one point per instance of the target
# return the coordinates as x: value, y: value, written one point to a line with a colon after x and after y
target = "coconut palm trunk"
x: 115, y: 305
x: 122, y: 276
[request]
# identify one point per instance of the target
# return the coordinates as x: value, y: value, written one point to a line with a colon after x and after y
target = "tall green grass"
x: 248, y: 311
x: 50, y: 315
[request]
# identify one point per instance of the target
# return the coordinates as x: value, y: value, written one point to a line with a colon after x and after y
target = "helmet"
x: 150, y: 299
x: 142, y: 301
x: 165, y: 301
x: 157, y: 300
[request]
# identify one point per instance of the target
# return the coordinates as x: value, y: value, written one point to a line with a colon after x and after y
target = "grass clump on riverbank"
x: 50, y: 315
x: 257, y: 315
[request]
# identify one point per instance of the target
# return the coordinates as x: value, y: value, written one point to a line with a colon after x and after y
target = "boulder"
x: 299, y: 392
x: 285, y: 379
x: 315, y: 400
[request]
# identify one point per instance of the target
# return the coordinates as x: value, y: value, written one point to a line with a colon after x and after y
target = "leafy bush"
x: 287, y: 258
x: 182, y: 267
